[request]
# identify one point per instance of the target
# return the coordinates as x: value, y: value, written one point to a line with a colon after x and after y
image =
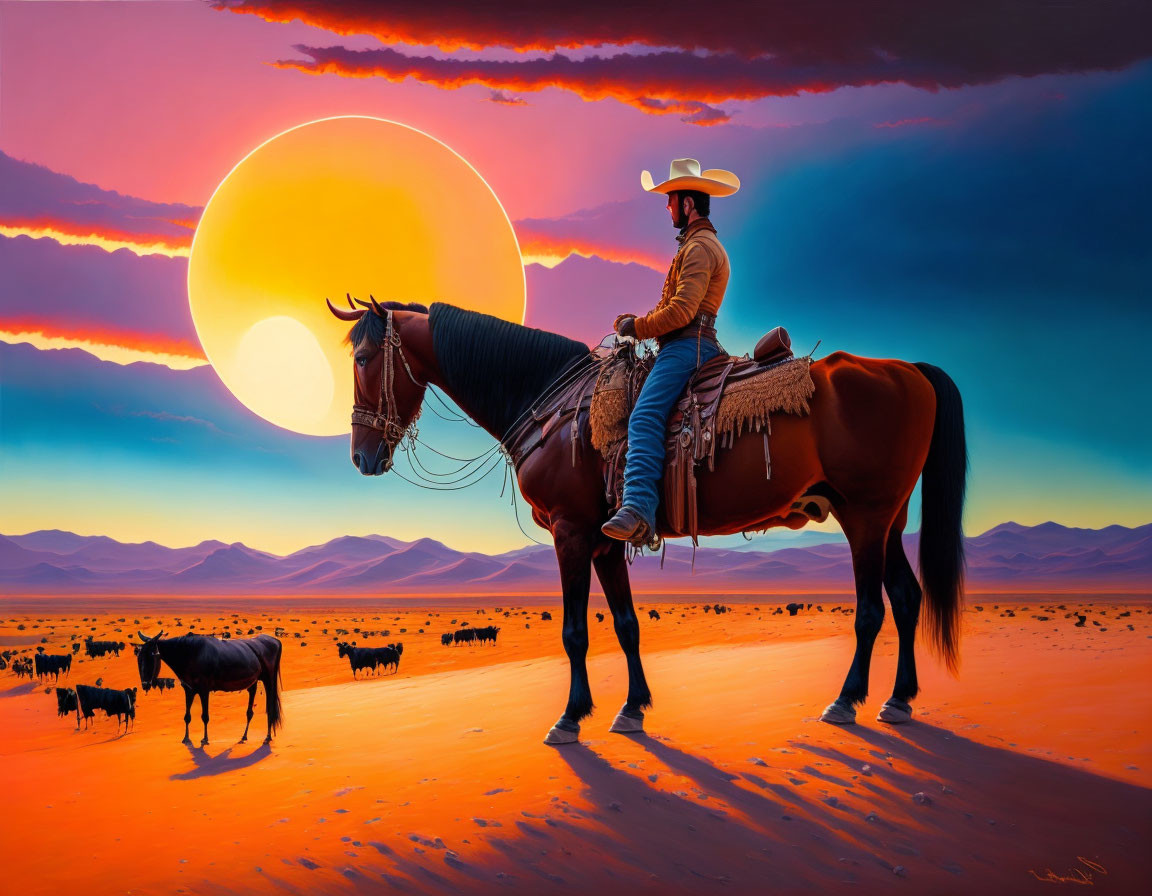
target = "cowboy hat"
x: 685, y: 174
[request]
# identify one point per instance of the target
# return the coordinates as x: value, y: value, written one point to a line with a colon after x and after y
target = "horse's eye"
x: 361, y: 360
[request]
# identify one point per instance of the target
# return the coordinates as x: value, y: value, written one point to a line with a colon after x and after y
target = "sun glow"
x: 351, y: 204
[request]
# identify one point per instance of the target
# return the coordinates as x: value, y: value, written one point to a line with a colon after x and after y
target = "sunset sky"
x: 937, y: 182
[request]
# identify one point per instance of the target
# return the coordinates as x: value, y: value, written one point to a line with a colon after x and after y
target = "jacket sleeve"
x: 691, y: 287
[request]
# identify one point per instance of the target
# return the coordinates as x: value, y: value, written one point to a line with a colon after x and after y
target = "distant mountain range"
x: 1009, y: 557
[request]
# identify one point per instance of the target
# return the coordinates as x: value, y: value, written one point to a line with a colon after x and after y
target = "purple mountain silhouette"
x: 1007, y: 557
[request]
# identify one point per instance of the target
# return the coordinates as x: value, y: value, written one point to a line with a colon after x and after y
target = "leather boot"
x: 628, y: 525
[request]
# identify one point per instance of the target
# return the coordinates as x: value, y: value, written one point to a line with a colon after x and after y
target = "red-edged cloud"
x: 117, y: 346
x: 636, y: 231
x: 734, y: 51
x: 947, y: 43
x: 38, y: 202
x: 671, y: 82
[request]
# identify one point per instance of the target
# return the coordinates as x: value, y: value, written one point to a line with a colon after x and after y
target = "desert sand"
x: 1029, y: 773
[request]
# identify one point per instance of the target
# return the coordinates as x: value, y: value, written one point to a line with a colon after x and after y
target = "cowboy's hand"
x: 626, y: 326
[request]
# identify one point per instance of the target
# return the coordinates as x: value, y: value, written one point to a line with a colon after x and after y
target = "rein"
x: 386, y: 417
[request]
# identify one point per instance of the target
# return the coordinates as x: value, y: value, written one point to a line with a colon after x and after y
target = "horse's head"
x: 148, y: 658
x: 388, y: 393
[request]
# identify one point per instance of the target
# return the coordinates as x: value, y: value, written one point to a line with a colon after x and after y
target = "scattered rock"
x: 922, y: 798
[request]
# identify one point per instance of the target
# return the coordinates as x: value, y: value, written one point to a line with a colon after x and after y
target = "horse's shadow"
x: 719, y: 834
x: 922, y: 781
x: 221, y: 763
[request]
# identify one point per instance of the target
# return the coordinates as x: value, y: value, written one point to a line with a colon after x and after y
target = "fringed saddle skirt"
x: 725, y: 398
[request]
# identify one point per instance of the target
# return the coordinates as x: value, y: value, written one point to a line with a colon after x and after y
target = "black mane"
x: 497, y: 369
x: 372, y: 324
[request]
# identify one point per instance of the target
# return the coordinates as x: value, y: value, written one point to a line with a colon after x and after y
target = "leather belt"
x: 701, y: 326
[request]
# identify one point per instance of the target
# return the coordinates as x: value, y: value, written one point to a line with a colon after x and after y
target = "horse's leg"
x: 204, y: 716
x: 612, y: 570
x: 866, y: 538
x: 574, y: 553
x: 251, y: 700
x: 904, y: 594
x: 189, y: 696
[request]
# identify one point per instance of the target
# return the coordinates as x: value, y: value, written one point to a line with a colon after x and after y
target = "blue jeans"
x: 644, y: 464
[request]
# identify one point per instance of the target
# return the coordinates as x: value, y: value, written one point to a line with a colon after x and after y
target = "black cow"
x: 358, y: 657
x: 653, y: 614
x: 160, y: 684
x: 52, y: 664
x: 114, y: 703
x: 546, y: 615
x: 100, y: 648
x: 446, y: 639
x: 66, y: 702
x: 388, y: 656
x: 488, y: 633
x: 793, y: 608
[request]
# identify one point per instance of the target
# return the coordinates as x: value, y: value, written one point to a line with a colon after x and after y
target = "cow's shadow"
x: 221, y: 763
x: 21, y: 689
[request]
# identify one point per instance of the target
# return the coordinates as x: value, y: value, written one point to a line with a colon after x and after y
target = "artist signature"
x: 1080, y: 874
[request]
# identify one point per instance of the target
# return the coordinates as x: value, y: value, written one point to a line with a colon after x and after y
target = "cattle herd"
x: 485, y: 635
x: 84, y: 700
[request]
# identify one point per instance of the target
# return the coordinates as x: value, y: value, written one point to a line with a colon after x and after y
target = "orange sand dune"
x: 1035, y: 765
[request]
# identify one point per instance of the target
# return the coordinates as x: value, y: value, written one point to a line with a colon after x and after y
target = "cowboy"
x: 683, y: 324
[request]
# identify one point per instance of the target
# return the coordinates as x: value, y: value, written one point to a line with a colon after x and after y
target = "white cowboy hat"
x: 685, y: 174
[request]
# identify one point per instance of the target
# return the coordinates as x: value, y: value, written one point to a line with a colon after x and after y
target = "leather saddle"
x: 691, y: 432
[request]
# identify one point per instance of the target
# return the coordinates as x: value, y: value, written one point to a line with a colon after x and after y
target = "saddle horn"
x: 342, y: 314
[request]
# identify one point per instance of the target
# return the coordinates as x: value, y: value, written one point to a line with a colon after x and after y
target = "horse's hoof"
x: 895, y: 712
x: 267, y: 740
x: 204, y: 742
x: 562, y: 736
x: 839, y: 714
x: 242, y: 740
x: 628, y: 724
x: 187, y: 741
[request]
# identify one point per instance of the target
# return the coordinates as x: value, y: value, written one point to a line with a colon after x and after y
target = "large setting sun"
x: 343, y: 205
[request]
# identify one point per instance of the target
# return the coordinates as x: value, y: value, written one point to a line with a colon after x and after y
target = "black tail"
x: 273, y: 685
x: 941, y: 533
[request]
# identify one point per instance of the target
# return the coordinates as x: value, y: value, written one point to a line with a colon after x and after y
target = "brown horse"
x: 874, y: 428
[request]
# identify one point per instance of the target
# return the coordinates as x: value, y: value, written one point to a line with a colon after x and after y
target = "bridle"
x: 386, y: 417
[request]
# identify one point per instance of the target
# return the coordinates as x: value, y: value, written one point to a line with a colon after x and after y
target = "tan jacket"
x: 695, y: 283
